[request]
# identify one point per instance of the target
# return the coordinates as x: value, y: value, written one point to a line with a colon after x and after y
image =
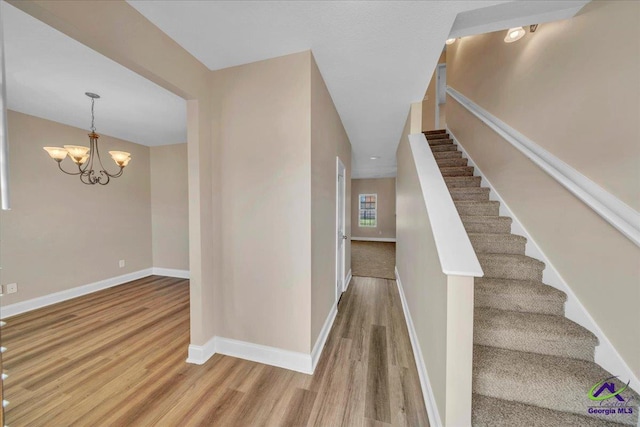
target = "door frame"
x: 439, y: 69
x: 340, y: 213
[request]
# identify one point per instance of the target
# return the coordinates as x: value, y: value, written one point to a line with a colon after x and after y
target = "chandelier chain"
x: 93, y: 117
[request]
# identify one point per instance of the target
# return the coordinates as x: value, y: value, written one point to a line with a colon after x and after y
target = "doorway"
x: 341, y: 237
x: 441, y: 96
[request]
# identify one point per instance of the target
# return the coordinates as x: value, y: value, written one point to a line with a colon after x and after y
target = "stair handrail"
x: 457, y: 257
x: 621, y: 216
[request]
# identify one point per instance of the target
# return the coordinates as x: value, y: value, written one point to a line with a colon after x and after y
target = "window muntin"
x: 368, y: 212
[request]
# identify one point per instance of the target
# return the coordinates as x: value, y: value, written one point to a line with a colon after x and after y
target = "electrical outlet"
x: 12, y: 288
x: 121, y: 263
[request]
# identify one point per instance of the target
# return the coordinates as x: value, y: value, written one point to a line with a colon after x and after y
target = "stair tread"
x: 528, y: 296
x: 434, y: 131
x: 444, y: 147
x: 530, y: 288
x: 490, y: 411
x: 498, y: 236
x: 557, y: 383
x: 440, y: 141
x: 481, y: 190
x: 486, y: 218
x: 556, y: 326
x: 510, y: 258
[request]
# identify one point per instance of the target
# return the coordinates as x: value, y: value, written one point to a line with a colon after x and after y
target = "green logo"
x: 610, y: 387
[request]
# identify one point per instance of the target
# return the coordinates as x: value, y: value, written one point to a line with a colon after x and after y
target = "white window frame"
x: 374, y: 209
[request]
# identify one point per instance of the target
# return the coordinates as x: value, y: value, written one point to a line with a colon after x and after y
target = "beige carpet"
x: 373, y: 259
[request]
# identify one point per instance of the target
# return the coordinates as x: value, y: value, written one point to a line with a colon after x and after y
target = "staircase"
x: 531, y: 365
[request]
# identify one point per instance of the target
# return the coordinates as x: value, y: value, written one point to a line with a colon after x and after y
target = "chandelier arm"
x: 85, y: 178
x: 103, y: 169
x: 103, y: 173
x: 68, y: 173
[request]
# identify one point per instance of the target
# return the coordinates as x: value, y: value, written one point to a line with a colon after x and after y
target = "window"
x: 368, y: 210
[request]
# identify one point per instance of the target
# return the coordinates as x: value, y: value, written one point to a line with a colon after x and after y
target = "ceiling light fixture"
x: 84, y: 157
x: 450, y: 41
x: 374, y: 157
x: 514, y: 34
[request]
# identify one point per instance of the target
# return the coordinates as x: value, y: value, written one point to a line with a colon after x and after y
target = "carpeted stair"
x: 532, y: 366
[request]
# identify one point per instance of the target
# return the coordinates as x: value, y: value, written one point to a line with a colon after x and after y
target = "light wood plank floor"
x: 117, y: 358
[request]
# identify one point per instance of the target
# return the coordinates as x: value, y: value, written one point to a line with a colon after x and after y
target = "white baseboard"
x: 347, y: 280
x: 199, y: 354
x: 39, y: 302
x: 292, y: 360
x: 374, y: 239
x: 606, y: 355
x: 322, y: 338
x: 171, y: 272
x: 425, y: 384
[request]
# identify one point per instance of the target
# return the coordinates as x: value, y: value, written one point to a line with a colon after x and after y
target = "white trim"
x: 199, y: 354
x: 374, y: 209
x: 457, y: 257
x: 425, y: 384
x: 341, y: 171
x: 374, y: 239
x: 292, y: 360
x: 67, y: 294
x: 613, y: 210
x: 322, y: 338
x: 606, y: 355
x: 347, y: 280
x: 513, y: 14
x: 171, y: 272
x: 295, y: 361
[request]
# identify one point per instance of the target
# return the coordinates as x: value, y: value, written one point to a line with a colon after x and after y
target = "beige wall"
x: 125, y: 36
x: 385, y: 188
x: 248, y: 127
x: 264, y: 116
x: 170, y: 206
x: 61, y: 233
x: 424, y: 284
x: 328, y: 141
x: 572, y: 87
x: 429, y: 103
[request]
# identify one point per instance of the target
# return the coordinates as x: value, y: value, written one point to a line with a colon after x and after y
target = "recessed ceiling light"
x: 374, y: 157
x: 450, y: 41
x: 514, y: 34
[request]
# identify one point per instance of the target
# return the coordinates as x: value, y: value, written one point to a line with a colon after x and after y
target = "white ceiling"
x: 376, y: 56
x: 49, y: 72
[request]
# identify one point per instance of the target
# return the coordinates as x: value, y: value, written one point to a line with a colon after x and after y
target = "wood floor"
x: 117, y: 358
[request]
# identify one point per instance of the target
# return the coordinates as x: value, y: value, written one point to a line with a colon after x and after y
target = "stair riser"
x: 487, y: 227
x: 435, y: 132
x: 437, y: 136
x: 448, y: 163
x: 478, y: 210
x: 439, y: 155
x: 477, y: 197
x: 457, y: 171
x: 440, y: 148
x: 528, y: 341
x: 518, y: 303
x: 468, y: 181
x: 438, y: 142
x: 498, y: 246
x: 567, y: 398
x: 512, y: 270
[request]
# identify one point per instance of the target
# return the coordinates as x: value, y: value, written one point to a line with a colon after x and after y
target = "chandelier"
x: 86, y: 158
